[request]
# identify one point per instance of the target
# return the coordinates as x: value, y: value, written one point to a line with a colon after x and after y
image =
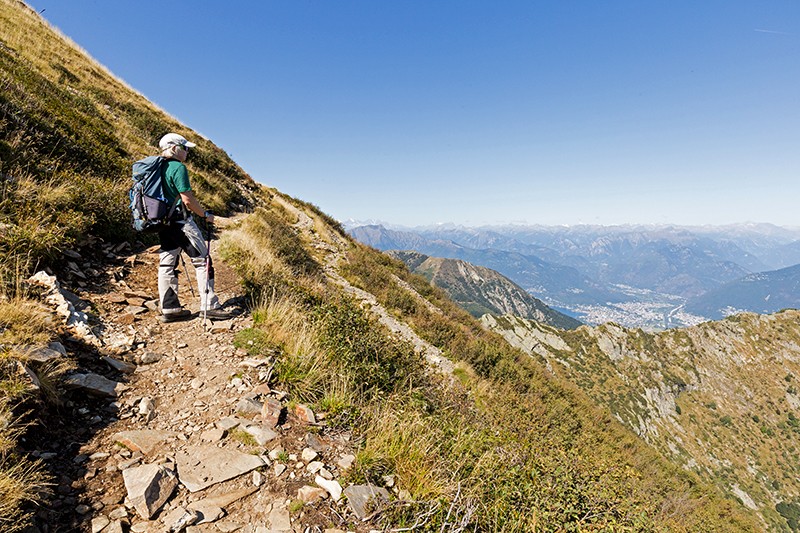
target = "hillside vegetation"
x: 497, y: 444
x: 720, y: 398
x: 481, y: 290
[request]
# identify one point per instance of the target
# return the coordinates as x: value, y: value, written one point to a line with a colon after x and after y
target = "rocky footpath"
x: 170, y: 427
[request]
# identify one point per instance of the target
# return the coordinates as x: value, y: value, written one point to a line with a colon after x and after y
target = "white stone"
x: 275, y: 453
x: 345, y: 462
x: 315, y: 466
x: 331, y: 485
x: 309, y: 455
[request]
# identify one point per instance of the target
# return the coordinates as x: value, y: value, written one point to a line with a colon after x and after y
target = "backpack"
x: 150, y: 209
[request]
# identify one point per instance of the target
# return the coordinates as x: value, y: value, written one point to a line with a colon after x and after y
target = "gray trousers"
x: 184, y: 236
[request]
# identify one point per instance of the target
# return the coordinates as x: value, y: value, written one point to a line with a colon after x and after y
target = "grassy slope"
x: 508, y: 449
x: 721, y: 398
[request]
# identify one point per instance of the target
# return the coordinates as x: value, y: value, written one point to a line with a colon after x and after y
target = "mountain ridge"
x: 481, y: 290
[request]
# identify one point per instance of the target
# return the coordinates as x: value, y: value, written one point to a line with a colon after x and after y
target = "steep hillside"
x: 722, y: 398
x: 461, y: 431
x: 480, y: 290
x: 765, y: 292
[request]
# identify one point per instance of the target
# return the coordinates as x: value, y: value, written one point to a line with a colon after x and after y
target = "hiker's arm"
x: 192, y: 204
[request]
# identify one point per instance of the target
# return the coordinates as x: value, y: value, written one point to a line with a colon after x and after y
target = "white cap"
x: 173, y: 139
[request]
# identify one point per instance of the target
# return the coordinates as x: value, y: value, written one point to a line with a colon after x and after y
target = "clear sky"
x: 425, y: 111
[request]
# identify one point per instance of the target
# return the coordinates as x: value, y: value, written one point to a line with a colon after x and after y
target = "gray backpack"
x: 150, y: 209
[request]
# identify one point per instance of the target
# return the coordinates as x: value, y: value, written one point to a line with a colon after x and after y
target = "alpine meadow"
x: 450, y: 422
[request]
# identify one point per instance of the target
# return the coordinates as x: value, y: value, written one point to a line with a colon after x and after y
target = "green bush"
x: 358, y: 346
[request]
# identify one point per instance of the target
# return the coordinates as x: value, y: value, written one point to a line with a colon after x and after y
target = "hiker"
x: 183, y: 235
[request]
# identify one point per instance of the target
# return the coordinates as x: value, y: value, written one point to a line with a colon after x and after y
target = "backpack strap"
x: 162, y: 171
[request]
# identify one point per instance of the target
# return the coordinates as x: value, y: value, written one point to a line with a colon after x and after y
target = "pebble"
x: 275, y: 453
x: 309, y: 455
x: 99, y: 523
x: 118, y: 514
x: 150, y: 358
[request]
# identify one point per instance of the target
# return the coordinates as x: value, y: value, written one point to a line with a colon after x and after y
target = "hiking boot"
x: 183, y: 314
x: 218, y: 314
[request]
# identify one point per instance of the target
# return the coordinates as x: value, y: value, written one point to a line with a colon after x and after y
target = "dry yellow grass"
x: 25, y: 322
x: 287, y: 325
x: 21, y: 480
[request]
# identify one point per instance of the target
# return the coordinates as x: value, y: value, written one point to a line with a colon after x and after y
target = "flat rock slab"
x: 279, y: 519
x: 95, y: 384
x: 40, y: 354
x: 213, y: 508
x: 262, y: 434
x: 360, y: 496
x: 120, y: 366
x: 199, y: 467
x: 146, y: 441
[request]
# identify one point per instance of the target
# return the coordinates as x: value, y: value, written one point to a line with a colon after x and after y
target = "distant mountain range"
x: 634, y: 275
x: 765, y: 292
x: 548, y: 281
x: 481, y: 290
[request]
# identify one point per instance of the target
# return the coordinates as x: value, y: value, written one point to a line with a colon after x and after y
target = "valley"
x: 649, y: 277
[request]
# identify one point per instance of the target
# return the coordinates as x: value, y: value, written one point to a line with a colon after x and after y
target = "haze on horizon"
x: 476, y: 112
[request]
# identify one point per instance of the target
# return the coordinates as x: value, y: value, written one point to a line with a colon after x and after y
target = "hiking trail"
x: 185, y: 433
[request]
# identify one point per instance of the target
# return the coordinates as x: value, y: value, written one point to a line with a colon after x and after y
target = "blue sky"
x: 418, y: 112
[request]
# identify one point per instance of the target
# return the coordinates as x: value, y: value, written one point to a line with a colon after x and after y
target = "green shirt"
x: 176, y: 180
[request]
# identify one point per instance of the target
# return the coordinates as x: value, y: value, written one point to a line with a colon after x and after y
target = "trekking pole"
x: 186, y: 272
x: 209, y: 268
